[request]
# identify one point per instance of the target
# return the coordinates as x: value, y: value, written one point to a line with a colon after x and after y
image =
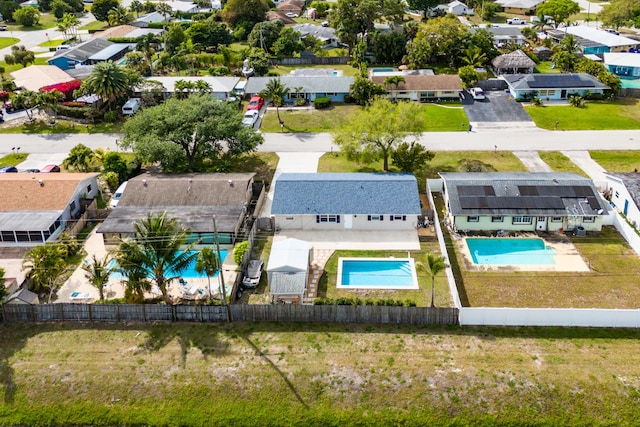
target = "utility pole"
x: 224, y: 292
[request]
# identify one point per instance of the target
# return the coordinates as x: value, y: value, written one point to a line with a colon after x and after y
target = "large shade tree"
x: 188, y: 133
x: 375, y: 131
x: 558, y: 10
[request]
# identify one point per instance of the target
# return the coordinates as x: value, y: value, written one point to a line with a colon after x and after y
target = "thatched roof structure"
x: 516, y: 62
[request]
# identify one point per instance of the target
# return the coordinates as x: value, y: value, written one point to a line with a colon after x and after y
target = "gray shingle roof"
x: 522, y: 193
x: 339, y: 84
x: 553, y: 81
x: 345, y: 193
x: 85, y: 50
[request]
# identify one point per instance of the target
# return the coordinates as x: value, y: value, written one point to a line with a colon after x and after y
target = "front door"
x: 626, y: 207
x: 541, y: 223
x: 563, y: 94
x: 348, y: 221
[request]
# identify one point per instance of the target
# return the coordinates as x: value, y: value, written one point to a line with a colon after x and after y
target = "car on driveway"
x: 516, y: 21
x: 50, y: 168
x: 31, y: 170
x: 250, y: 118
x: 477, y: 93
x: 9, y: 169
x: 291, y: 15
x: 255, y: 103
x: 252, y: 276
x: 3, y: 28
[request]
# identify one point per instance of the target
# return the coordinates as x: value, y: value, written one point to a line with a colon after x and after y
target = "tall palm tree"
x: 108, y: 80
x: 474, y: 56
x: 130, y: 264
x: 394, y: 81
x: 161, y: 249
x: 119, y: 16
x: 276, y: 92
x: 45, y: 264
x: 207, y: 262
x: 97, y: 272
x: 164, y: 9
x: 434, y: 265
x: 137, y: 7
x: 568, y: 44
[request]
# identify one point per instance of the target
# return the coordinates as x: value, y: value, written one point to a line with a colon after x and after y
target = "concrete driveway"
x: 497, y: 107
x: 38, y: 161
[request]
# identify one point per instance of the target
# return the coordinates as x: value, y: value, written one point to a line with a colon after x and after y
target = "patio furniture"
x: 80, y: 296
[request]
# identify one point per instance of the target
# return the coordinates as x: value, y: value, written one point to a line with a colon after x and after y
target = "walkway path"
x: 532, y: 161
x: 587, y: 164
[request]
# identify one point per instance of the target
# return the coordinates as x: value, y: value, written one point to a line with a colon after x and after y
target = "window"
x: 547, y: 92
x: 429, y: 94
x: 330, y: 94
x: 72, y: 206
x: 328, y: 218
x: 23, y: 236
x: 497, y: 219
x: 588, y: 219
x: 617, y: 195
x: 7, y: 236
x: 289, y: 218
x: 556, y: 219
x: 473, y: 219
x: 89, y: 188
x: 397, y: 218
x: 375, y: 217
x: 521, y: 220
x: 35, y: 236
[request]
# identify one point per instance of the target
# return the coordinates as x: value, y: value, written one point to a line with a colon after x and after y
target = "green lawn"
x: 622, y: 114
x: 544, y: 67
x: 13, y: 67
x: 444, y: 117
x: 560, y: 163
x: 12, y: 159
x: 47, y: 20
x: 8, y: 41
x: 308, y: 120
x: 289, y: 374
x: 95, y: 25
x: 51, y: 43
x: 617, y: 161
x: 63, y: 126
x: 347, y: 70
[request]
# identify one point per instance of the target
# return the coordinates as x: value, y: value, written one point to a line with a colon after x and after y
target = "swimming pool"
x: 189, y: 273
x: 497, y: 251
x: 377, y: 273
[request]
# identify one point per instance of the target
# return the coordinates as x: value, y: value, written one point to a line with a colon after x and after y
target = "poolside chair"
x: 183, y: 282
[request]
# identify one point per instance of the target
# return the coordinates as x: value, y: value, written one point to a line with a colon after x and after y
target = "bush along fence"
x: 237, y: 313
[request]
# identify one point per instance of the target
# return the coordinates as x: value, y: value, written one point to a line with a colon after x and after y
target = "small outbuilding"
x: 288, y: 270
x: 516, y: 62
x: 24, y: 297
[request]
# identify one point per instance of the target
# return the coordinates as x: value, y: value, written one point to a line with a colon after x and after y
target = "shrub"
x: 133, y: 167
x: 66, y: 88
x: 301, y: 102
x: 73, y: 111
x: 239, y: 251
x: 321, y: 102
x: 348, y: 99
x: 110, y: 116
x: 219, y: 71
x: 112, y: 180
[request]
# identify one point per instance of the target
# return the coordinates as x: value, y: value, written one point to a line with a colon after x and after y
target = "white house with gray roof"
x: 309, y: 87
x: 553, y: 86
x: 346, y: 201
x: 623, y: 193
x: 522, y: 201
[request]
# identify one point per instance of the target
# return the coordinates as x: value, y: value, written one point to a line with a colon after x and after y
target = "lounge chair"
x: 183, y: 282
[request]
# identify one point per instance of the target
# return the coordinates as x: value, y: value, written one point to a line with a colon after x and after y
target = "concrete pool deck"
x: 567, y: 257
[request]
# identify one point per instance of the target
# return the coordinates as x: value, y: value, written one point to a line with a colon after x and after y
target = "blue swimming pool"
x: 189, y: 273
x: 496, y: 251
x: 381, y: 70
x: 377, y: 273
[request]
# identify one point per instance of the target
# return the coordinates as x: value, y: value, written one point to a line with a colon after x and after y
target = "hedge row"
x: 366, y: 301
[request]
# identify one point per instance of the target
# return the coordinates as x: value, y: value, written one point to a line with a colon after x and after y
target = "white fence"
x: 580, y: 317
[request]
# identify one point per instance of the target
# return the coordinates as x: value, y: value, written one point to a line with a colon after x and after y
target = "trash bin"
x: 579, y: 231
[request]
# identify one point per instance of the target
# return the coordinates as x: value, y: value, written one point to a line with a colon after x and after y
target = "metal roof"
x: 337, y: 84
x: 287, y: 283
x: 289, y: 255
x: 621, y: 59
x: 83, y: 51
x: 522, y: 193
x: 345, y: 193
x: 109, y: 52
x: 599, y: 37
x: 25, y: 220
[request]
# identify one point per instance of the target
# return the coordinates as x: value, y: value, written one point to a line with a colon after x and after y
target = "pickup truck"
x: 516, y: 21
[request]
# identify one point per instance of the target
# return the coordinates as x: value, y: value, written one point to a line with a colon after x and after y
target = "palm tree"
x: 434, y: 265
x: 394, y: 81
x: 569, y: 44
x: 130, y: 264
x: 137, y: 7
x: 119, y: 16
x: 164, y: 9
x: 48, y: 101
x: 207, y: 262
x: 79, y: 158
x: 475, y: 57
x: 45, y: 264
x: 160, y: 248
x: 276, y: 92
x: 107, y: 80
x: 97, y: 272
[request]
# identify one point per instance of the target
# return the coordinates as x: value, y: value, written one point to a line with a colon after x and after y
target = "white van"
x: 116, y: 196
x: 131, y: 106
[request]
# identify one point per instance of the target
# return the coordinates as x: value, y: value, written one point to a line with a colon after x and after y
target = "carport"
x: 288, y: 270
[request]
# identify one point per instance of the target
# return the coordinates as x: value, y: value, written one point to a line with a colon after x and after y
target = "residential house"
x: 423, y: 88
x: 504, y: 36
x: 192, y: 199
x: 594, y: 41
x: 291, y: 6
x: 553, y: 87
x: 310, y: 88
x: 288, y: 270
x: 326, y: 35
x: 88, y: 53
x: 219, y: 87
x: 346, y: 201
x: 273, y: 15
x: 520, y: 7
x: 623, y: 64
x: 35, y: 77
x: 523, y: 201
x: 23, y: 297
x: 623, y: 193
x: 458, y: 8
x: 183, y: 6
x: 516, y: 62
x: 36, y: 207
x: 144, y: 20
x: 128, y: 31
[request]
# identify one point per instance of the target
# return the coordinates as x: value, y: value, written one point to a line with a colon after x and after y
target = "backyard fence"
x: 239, y: 313
x: 329, y: 60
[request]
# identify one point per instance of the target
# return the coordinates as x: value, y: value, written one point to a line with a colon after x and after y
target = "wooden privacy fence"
x: 239, y: 313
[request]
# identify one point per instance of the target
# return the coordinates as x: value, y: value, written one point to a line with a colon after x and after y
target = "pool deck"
x: 567, y: 257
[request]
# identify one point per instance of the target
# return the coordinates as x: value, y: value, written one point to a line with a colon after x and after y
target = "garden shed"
x: 288, y: 270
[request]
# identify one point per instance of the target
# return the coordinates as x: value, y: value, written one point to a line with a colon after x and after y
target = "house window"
x: 23, y: 236
x: 375, y: 217
x: 429, y: 94
x: 617, y: 195
x: 397, y: 217
x: 89, y: 188
x: 473, y: 219
x: 588, y: 219
x: 497, y: 219
x: 35, y: 236
x: 296, y: 95
x: 72, y: 206
x: 330, y: 94
x: 521, y: 220
x: 547, y: 92
x: 556, y: 219
x: 289, y: 218
x: 7, y: 236
x: 328, y: 218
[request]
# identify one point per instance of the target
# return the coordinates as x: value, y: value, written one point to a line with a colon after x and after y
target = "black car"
x: 9, y: 169
x: 31, y: 170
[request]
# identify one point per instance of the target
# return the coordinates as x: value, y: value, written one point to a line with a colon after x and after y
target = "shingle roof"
x: 117, y: 31
x: 23, y: 295
x: 345, y: 193
x: 34, y: 77
x: 521, y: 193
x: 553, y: 81
x: 425, y: 82
x: 85, y: 50
x: 22, y: 191
x: 338, y: 84
x: 322, y: 33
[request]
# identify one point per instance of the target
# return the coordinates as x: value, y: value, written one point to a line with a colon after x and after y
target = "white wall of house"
x: 347, y: 222
x: 622, y: 200
x: 526, y: 223
x: 423, y: 95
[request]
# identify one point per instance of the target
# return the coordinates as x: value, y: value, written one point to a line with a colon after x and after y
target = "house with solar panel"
x: 522, y: 201
x: 346, y: 201
x: 553, y: 87
x: 88, y: 53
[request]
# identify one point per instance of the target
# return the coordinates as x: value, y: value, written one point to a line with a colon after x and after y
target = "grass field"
x: 617, y: 161
x: 560, y: 163
x: 280, y: 374
x: 62, y: 126
x: 444, y: 117
x: 544, y: 67
x: 12, y: 159
x: 51, y: 43
x: 8, y: 41
x: 347, y: 70
x: 13, y: 67
x: 47, y: 20
x: 95, y: 25
x: 623, y: 114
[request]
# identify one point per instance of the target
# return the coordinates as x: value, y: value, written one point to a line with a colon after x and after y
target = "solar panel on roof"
x: 475, y: 190
x: 522, y: 202
x: 559, y: 81
x: 528, y: 190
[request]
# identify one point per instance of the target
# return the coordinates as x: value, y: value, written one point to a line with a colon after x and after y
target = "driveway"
x: 497, y: 107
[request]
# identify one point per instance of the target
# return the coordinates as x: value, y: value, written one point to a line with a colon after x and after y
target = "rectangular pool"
x: 510, y: 251
x: 189, y: 273
x: 377, y: 273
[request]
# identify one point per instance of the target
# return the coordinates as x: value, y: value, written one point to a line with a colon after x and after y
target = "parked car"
x: 291, y: 15
x: 516, y: 21
x: 50, y: 168
x: 118, y: 193
x: 8, y: 169
x: 250, y: 118
x: 131, y: 106
x: 255, y: 103
x: 253, y: 274
x: 325, y: 23
x: 3, y: 28
x: 477, y: 93
x: 31, y: 170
